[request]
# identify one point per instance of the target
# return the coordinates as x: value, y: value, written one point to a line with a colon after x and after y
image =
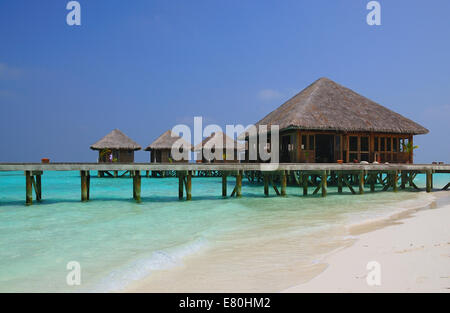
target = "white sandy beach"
x: 412, y: 247
x: 413, y: 253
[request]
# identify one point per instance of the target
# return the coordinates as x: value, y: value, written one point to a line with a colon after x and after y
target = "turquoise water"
x: 117, y: 241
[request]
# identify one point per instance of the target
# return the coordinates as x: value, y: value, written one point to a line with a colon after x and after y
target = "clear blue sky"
x: 144, y: 66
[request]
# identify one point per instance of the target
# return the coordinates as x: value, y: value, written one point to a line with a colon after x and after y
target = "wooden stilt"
x: 233, y: 193
x: 346, y: 182
x: 38, y: 188
x: 372, y: 181
x: 429, y: 181
x: 274, y: 186
x: 137, y: 186
x: 224, y: 184
x: 446, y: 186
x: 323, y: 183
x: 411, y: 177
x: 339, y: 181
x: 305, y: 184
x: 28, y: 188
x: 89, y: 185
x: 239, y: 184
x: 84, y: 186
x: 283, y: 183
x: 395, y: 181
x: 387, y: 182
x: 180, y: 186
x: 189, y: 186
x: 147, y: 173
x: 116, y: 174
x: 361, y: 182
x: 403, y: 175
x: 266, y: 184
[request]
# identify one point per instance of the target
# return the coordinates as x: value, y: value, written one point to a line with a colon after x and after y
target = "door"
x: 324, y: 149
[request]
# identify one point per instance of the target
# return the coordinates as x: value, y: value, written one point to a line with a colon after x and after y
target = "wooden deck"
x: 265, y: 167
x: 355, y: 177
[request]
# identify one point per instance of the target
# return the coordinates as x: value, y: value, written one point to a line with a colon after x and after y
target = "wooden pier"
x: 304, y: 175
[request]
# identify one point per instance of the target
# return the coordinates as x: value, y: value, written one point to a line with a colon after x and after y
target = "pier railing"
x: 305, y: 175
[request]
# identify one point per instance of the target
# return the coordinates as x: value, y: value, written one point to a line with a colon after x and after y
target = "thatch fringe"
x: 116, y: 140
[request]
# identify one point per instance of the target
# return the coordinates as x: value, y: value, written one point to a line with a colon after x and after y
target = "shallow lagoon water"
x: 117, y: 241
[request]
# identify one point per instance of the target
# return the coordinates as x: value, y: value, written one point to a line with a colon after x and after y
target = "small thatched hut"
x: 116, y: 147
x: 327, y: 122
x: 161, y: 148
x: 219, y: 140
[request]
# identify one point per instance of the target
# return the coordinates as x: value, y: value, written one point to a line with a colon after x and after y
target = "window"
x: 353, y: 143
x: 383, y: 144
x: 337, y: 146
x: 364, y: 157
x: 353, y: 157
x: 395, y: 144
x: 311, y: 142
x: 304, y: 144
x: 376, y: 144
x: 388, y: 144
x: 364, y: 143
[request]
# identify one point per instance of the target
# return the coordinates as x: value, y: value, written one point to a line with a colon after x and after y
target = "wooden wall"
x: 298, y: 146
x: 235, y: 158
x: 122, y: 156
x: 163, y: 156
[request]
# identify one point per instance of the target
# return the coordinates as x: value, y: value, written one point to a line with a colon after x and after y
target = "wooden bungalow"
x: 116, y: 147
x: 219, y: 140
x: 161, y: 149
x: 327, y: 122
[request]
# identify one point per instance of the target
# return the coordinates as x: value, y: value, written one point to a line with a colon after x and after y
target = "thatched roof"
x: 219, y: 140
x: 166, y: 141
x: 326, y: 105
x: 116, y: 140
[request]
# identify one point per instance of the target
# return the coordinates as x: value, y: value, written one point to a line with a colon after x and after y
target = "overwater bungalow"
x: 161, y: 149
x: 116, y: 147
x: 327, y: 123
x: 219, y: 140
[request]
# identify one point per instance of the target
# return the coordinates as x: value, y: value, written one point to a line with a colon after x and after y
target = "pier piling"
x: 85, y: 179
x: 395, y: 181
x: 403, y: 180
x: 372, y: 180
x: 224, y: 184
x: 239, y: 184
x: 305, y: 184
x: 324, y: 178
x: 283, y: 183
x: 429, y: 180
x: 189, y: 186
x: 361, y: 182
x: 137, y: 185
x: 29, y: 188
x: 37, y: 184
x: 266, y: 184
x: 180, y: 186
